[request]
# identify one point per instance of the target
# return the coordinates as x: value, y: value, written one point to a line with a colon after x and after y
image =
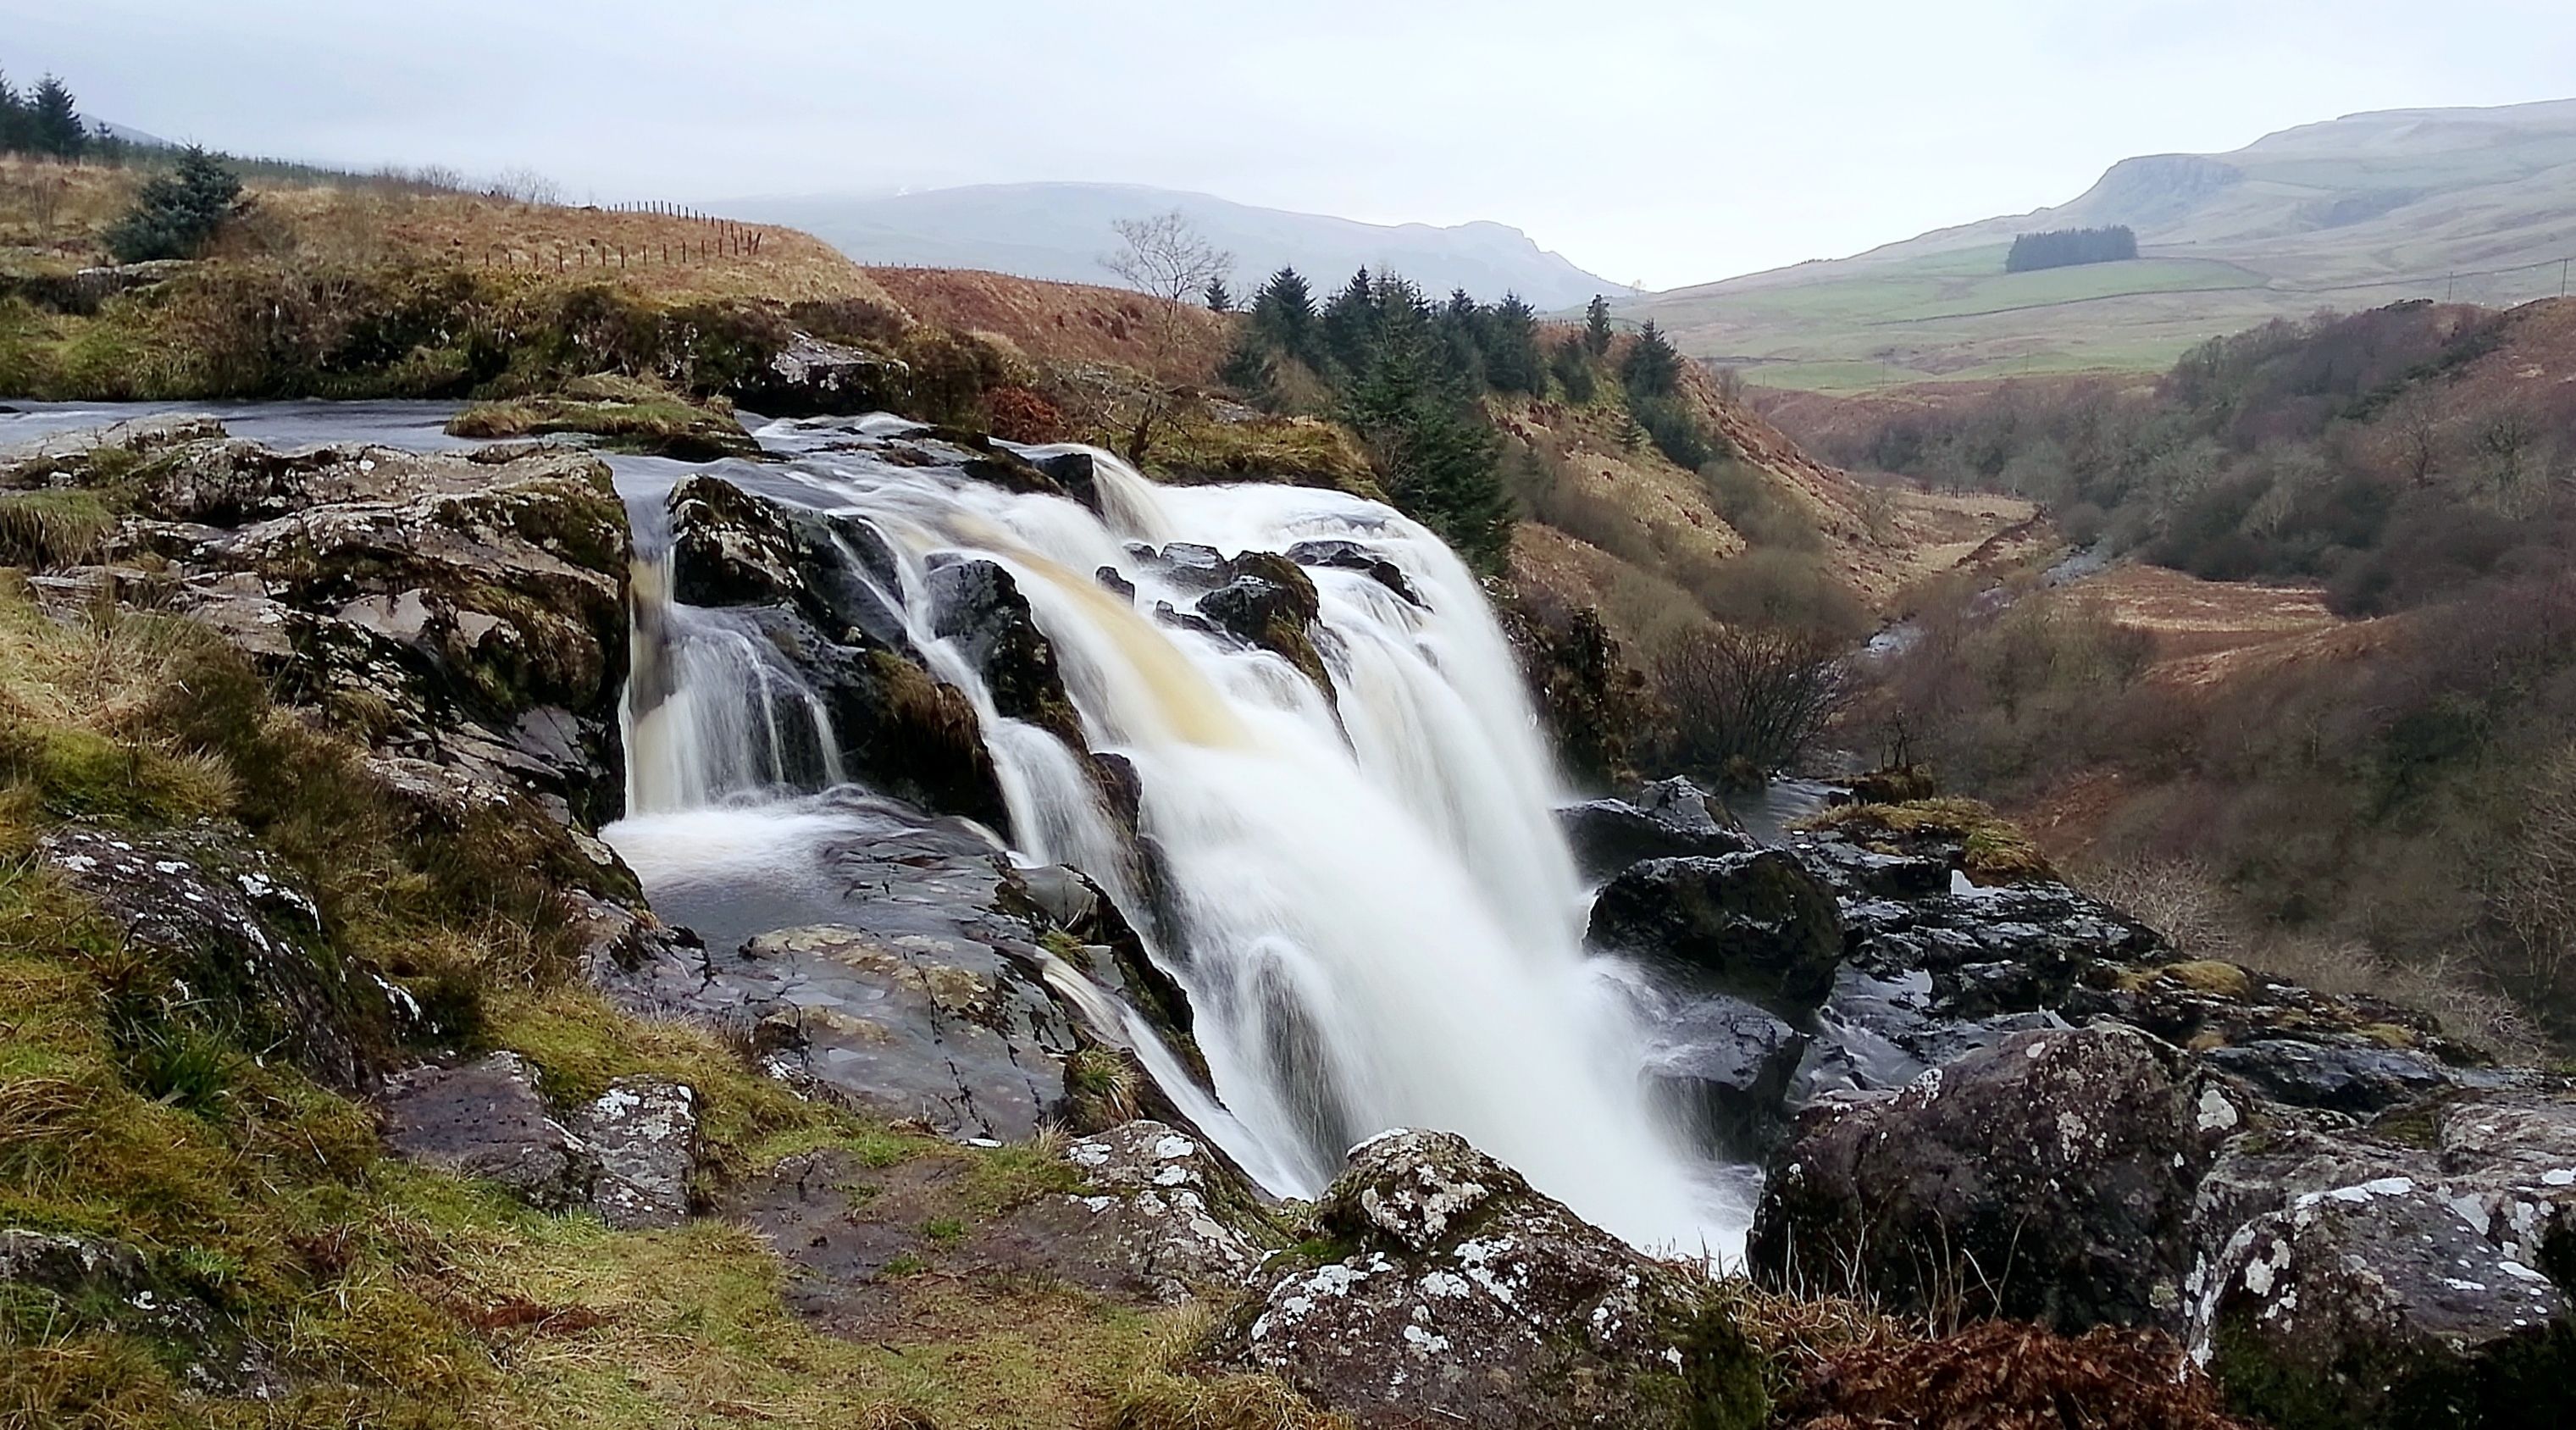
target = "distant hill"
x: 2477, y: 205
x: 1060, y: 231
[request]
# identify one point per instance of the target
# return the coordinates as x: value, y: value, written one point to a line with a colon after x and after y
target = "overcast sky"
x: 1669, y: 141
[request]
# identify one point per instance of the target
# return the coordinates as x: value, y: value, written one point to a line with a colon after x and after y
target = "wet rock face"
x: 239, y: 943
x: 1756, y: 925
x: 976, y: 606
x: 1463, y: 1297
x: 1726, y: 1066
x: 923, y: 996
x: 811, y: 584
x: 1666, y: 820
x: 1352, y: 556
x: 936, y: 1030
x: 2047, y: 1179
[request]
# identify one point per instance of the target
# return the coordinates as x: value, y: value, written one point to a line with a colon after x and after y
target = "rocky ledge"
x: 2008, y: 1099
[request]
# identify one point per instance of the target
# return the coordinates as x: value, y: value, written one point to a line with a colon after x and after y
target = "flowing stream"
x: 1365, y: 893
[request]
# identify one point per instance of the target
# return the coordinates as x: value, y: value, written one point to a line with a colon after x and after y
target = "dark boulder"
x: 978, y: 608
x: 2048, y: 1179
x: 1267, y: 602
x: 486, y: 1120
x: 1755, y: 925
x: 1669, y: 819
x: 808, y: 377
x: 1352, y: 556
x: 1725, y: 1066
x: 1437, y: 1288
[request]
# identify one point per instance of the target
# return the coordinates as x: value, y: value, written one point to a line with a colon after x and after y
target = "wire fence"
x: 678, y: 237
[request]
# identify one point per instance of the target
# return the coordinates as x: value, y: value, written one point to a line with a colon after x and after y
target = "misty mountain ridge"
x: 1061, y: 231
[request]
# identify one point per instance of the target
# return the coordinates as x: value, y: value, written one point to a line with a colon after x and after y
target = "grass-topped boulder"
x: 1968, y: 833
x: 624, y: 414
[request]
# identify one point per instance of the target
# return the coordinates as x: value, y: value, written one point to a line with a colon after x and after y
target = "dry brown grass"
x: 1058, y: 323
x: 472, y: 230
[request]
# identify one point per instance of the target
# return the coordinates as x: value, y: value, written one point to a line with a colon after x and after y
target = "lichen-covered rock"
x: 1159, y: 1220
x: 238, y: 944
x: 644, y: 1132
x: 2048, y: 1178
x: 68, y: 1281
x: 2383, y: 1303
x: 1666, y: 820
x: 808, y: 377
x: 1756, y: 925
x: 466, y: 612
x: 486, y: 1120
x: 1453, y: 1294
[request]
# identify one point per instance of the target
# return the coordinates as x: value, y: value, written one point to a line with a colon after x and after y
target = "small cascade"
x: 1362, y: 889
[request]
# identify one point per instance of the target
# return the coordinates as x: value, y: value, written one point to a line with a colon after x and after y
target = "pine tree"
x: 1652, y: 368
x: 1218, y: 299
x: 1348, y: 320
x: 54, y: 122
x: 1596, y: 327
x: 1510, y: 335
x: 14, y: 137
x: 176, y: 213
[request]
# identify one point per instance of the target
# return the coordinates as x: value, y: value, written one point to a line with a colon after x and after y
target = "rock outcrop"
x: 1437, y: 1288
x: 237, y: 945
x: 627, y: 1155
x: 1667, y: 819
x: 466, y: 611
x: 809, y: 583
x: 2049, y: 1179
x: 1757, y: 925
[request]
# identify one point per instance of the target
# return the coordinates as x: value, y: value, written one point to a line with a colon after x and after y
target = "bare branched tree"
x: 1168, y: 259
x: 1749, y: 701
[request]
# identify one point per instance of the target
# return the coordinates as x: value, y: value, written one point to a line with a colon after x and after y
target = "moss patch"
x: 1991, y: 848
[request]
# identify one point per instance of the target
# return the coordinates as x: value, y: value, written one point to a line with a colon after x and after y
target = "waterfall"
x: 1363, y: 890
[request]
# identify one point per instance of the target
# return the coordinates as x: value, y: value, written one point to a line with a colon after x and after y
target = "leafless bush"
x: 1748, y: 701
x: 2179, y: 898
x: 525, y: 186
x: 1168, y: 258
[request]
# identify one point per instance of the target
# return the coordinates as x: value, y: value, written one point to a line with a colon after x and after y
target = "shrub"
x: 1748, y: 701
x: 176, y: 214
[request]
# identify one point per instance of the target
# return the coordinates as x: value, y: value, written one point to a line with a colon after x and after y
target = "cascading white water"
x: 1366, y: 895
